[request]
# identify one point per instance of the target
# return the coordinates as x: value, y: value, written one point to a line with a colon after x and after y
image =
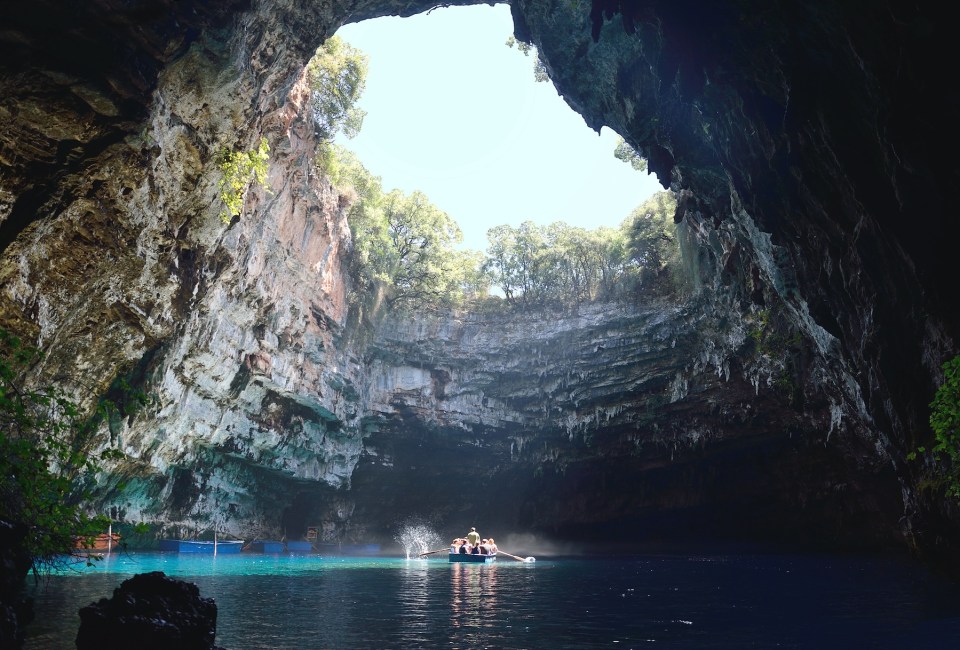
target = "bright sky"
x: 455, y: 113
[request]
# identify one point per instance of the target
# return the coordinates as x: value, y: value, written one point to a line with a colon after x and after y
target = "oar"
x: 439, y: 550
x: 517, y: 557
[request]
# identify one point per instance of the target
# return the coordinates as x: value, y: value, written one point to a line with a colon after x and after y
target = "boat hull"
x: 470, y: 558
x: 352, y: 550
x: 192, y: 546
x: 265, y: 546
x: 100, y: 543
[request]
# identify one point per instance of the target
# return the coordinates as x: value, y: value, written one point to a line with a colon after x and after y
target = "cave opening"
x: 774, y: 400
x: 458, y: 118
x: 454, y: 111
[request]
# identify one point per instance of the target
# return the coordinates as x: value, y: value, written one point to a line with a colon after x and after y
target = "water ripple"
x: 281, y: 602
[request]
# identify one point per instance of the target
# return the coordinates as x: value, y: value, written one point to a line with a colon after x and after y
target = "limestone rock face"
x: 777, y: 401
x: 797, y: 132
x: 661, y: 421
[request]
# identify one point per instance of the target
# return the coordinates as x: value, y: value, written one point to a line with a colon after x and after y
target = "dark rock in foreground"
x: 152, y: 612
x: 16, y: 609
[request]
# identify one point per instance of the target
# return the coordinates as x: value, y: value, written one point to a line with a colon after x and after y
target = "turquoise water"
x: 651, y: 601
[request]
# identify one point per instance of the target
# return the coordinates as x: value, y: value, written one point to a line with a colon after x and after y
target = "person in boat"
x: 475, y: 550
x: 473, y: 537
x: 491, y: 546
x: 483, y: 547
x: 464, y: 548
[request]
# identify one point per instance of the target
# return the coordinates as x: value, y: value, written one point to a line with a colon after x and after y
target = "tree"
x: 421, y: 243
x: 590, y: 261
x: 562, y: 265
x: 337, y: 76
x: 240, y: 170
x: 45, y: 455
x: 400, y: 241
x: 369, y: 253
x: 557, y: 264
x: 515, y: 260
x: 540, y: 74
x: 945, y: 422
x: 652, y: 234
x: 368, y: 225
x: 614, y: 262
x: 629, y: 155
x: 464, y: 278
x: 500, y: 264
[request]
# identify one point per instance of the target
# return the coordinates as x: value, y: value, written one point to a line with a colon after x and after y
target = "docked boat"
x: 359, y: 549
x: 473, y: 558
x: 195, y: 546
x: 265, y: 546
x: 352, y: 550
x: 311, y: 544
x: 102, y: 543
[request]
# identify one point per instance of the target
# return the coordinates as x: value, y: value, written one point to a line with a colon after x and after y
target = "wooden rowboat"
x: 99, y: 543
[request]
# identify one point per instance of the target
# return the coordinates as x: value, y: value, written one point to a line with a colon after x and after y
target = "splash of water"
x: 418, y: 538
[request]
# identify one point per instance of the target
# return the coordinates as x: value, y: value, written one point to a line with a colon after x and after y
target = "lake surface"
x: 650, y: 601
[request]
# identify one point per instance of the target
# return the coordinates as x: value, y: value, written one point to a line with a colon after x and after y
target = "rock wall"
x: 655, y: 422
x: 804, y: 134
x: 780, y: 401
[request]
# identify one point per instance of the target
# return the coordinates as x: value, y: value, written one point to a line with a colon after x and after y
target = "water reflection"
x: 417, y: 598
x: 473, y: 604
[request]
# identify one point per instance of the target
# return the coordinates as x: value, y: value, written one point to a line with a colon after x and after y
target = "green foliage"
x: 945, y: 422
x: 337, y: 75
x: 45, y: 455
x: 539, y: 69
x: 513, y: 259
x: 405, y: 247
x: 401, y: 242
x: 629, y: 155
x: 240, y: 169
x: 562, y: 265
x: 419, y: 254
x: 761, y: 320
x: 366, y: 219
x: 653, y: 243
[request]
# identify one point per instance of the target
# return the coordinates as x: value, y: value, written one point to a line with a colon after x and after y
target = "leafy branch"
x: 945, y: 422
x: 241, y: 169
x: 45, y: 457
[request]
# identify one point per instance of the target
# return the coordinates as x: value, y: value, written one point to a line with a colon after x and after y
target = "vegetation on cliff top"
x: 561, y: 265
x: 405, y: 248
x: 337, y: 76
x: 401, y: 242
